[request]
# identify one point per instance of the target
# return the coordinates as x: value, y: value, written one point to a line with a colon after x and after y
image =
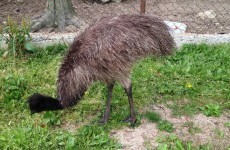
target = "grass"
x: 165, y: 125
x: 196, y: 76
x: 162, y: 125
x: 153, y: 116
x: 211, y: 110
x: 192, y: 129
x: 172, y: 142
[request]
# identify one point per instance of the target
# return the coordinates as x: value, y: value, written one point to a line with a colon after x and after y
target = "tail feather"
x: 39, y: 103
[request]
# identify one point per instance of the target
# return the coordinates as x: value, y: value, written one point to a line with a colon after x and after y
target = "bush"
x: 16, y: 36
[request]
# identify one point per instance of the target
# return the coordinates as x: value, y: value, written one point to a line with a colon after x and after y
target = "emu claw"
x: 103, y: 121
x: 130, y: 119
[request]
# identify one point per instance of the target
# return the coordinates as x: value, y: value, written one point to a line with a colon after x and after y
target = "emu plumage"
x: 106, y: 51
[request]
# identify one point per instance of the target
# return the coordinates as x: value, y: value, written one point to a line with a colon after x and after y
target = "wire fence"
x: 200, y: 16
x: 197, y: 16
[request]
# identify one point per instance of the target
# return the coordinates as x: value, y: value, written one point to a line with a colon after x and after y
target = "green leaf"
x: 29, y: 46
x: 70, y: 142
x: 179, y: 145
x: 162, y: 147
x: 2, y: 138
x: 227, y: 124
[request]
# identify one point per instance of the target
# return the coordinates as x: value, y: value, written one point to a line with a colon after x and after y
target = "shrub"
x: 16, y: 36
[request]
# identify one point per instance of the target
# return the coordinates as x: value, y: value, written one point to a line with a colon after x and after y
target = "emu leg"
x: 106, y: 115
x: 127, y: 85
x: 132, y: 117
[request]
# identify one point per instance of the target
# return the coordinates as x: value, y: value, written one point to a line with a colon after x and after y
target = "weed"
x: 211, y: 110
x: 162, y: 125
x: 226, y: 105
x: 13, y: 87
x: 29, y: 136
x: 172, y: 142
x: 153, y: 116
x: 227, y: 124
x: 51, y: 118
x: 219, y: 133
x: 165, y: 125
x: 205, y: 147
x: 92, y: 136
x: 16, y: 36
x: 192, y: 129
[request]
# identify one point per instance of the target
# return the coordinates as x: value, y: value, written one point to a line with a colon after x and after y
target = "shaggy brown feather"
x: 106, y: 51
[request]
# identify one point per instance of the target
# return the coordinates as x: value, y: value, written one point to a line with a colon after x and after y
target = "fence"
x: 200, y: 16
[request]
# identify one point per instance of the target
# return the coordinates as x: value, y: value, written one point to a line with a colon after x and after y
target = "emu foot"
x: 130, y: 119
x: 103, y: 120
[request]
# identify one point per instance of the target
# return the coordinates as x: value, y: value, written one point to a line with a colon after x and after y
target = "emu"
x: 106, y: 52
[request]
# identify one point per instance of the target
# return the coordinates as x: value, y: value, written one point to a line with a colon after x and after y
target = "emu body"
x: 106, y: 51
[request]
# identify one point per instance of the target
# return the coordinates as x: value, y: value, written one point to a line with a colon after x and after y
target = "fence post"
x: 142, y: 6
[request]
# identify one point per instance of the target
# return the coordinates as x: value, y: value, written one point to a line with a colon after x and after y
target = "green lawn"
x: 194, y: 80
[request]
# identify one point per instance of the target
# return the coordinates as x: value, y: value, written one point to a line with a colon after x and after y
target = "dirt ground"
x: 185, y: 11
x: 198, y: 129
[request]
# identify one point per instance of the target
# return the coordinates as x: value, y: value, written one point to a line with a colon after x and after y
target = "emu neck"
x: 73, y: 85
x: 39, y: 103
x: 51, y: 105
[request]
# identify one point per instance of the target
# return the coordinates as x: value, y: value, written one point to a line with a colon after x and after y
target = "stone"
x: 176, y: 27
x: 105, y: 1
x: 209, y: 14
x: 216, y: 24
x: 117, y: 1
x: 71, y: 28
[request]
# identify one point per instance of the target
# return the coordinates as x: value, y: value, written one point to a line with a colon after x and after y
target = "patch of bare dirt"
x: 135, y: 138
x: 185, y: 11
x: 198, y: 129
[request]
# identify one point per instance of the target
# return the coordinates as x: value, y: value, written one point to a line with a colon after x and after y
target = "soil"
x: 199, y: 130
x: 185, y: 11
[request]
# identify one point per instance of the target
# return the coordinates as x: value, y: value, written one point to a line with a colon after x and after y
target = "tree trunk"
x: 58, y: 13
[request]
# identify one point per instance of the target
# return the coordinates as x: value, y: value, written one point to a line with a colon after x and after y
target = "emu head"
x: 39, y: 103
x: 36, y: 103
